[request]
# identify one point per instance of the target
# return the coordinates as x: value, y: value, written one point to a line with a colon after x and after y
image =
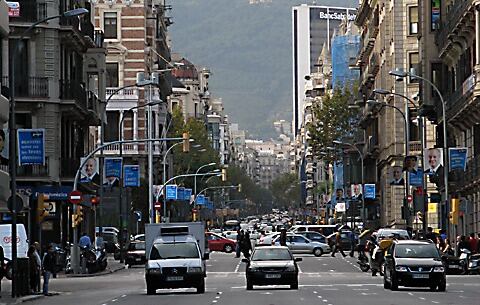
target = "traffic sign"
x: 75, y: 197
x: 158, y: 206
x: 18, y: 203
x: 409, y: 198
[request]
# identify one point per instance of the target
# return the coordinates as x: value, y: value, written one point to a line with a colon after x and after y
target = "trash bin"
x: 23, y: 276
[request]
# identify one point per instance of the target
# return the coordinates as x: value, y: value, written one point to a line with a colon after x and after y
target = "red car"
x: 220, y: 243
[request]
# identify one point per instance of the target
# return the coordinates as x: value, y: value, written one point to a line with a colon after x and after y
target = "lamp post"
x: 120, y: 182
x: 195, y: 179
x: 362, y: 174
x: 165, y: 176
x: 403, y: 74
x: 421, y: 126
x: 13, y: 133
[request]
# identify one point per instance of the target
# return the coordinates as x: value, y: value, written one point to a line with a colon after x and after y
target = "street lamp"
x: 195, y: 179
x: 13, y: 133
x: 402, y: 74
x: 362, y: 175
x: 165, y: 175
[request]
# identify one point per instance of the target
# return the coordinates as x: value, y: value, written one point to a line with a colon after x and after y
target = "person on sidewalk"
x: 38, y: 259
x: 48, y: 268
x: 34, y: 268
x: 338, y: 245
x: 85, y: 242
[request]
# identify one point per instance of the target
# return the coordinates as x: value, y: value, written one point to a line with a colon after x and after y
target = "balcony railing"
x: 30, y: 11
x: 127, y: 149
x: 457, y: 99
x: 33, y: 170
x: 72, y: 90
x: 456, y: 10
x: 34, y: 87
x: 471, y: 174
x: 124, y: 94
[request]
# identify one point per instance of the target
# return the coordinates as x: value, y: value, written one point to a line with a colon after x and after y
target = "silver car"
x: 300, y: 244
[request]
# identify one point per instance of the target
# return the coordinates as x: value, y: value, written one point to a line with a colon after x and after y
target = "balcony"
x: 30, y: 12
x: 124, y: 94
x: 471, y: 177
x: 461, y: 106
x: 84, y: 32
x: 29, y: 87
x: 127, y: 149
x: 72, y: 90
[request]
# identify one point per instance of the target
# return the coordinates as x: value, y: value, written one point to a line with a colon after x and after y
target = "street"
x: 323, y: 280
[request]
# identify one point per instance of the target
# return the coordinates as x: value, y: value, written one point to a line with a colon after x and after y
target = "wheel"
x: 228, y: 248
x: 249, y: 285
x: 386, y: 284
x: 150, y: 289
x: 8, y: 271
x: 433, y: 287
x: 201, y: 287
x: 442, y: 286
x: 317, y: 252
x: 393, y: 283
x: 294, y: 285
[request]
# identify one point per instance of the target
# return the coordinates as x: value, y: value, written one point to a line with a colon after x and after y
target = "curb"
x: 105, y: 272
x: 29, y: 298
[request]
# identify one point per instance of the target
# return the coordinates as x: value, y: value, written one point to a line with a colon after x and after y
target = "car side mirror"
x: 206, y: 256
x: 298, y: 259
x: 245, y: 260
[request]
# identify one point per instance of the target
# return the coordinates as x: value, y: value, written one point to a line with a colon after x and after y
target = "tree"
x: 286, y: 191
x: 333, y: 120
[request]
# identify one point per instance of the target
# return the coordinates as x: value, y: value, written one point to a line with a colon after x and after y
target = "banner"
x: 433, y: 160
x: 31, y: 146
x: 131, y: 176
x: 180, y: 193
x: 171, y: 191
x: 416, y: 178
x: 369, y: 191
x: 90, y: 171
x: 458, y: 158
x: 187, y: 194
x: 113, y: 167
x: 200, y: 200
x: 340, y: 207
x: 337, y: 181
x: 356, y: 191
x: 4, y: 146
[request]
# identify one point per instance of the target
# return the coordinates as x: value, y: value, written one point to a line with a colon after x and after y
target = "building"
x: 4, y: 109
x: 345, y: 44
x: 312, y: 27
x: 454, y: 66
x: 60, y: 88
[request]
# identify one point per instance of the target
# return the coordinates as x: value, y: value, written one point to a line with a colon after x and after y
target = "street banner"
x: 433, y: 161
x: 113, y: 167
x: 13, y: 9
x: 180, y: 193
x: 356, y: 190
x: 432, y: 208
x: 416, y: 178
x: 157, y: 190
x: 458, y: 158
x: 90, y: 171
x: 171, y: 191
x: 369, y: 191
x: 187, y: 194
x: 31, y: 146
x: 340, y: 207
x: 338, y: 179
x: 131, y: 176
x: 200, y: 200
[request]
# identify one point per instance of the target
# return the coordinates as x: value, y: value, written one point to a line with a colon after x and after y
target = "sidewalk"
x: 112, y: 266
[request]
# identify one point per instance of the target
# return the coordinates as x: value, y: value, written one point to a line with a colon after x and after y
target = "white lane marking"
x: 369, y: 293
x: 299, y: 270
x: 214, y: 301
x: 238, y: 266
x: 217, y: 297
x: 325, y: 301
x: 219, y: 292
x: 435, y: 302
x: 331, y: 270
x: 360, y: 289
x: 267, y: 293
x: 410, y: 293
x: 124, y: 295
x: 320, y: 297
x: 114, y: 300
x: 315, y: 292
x: 423, y: 299
x: 333, y: 289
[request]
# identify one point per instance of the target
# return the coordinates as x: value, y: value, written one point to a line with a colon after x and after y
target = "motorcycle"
x: 474, y: 264
x: 464, y: 259
x: 363, y: 263
x: 93, y: 260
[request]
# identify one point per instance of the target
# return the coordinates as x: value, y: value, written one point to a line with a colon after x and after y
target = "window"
x: 413, y: 20
x: 413, y: 62
x: 112, y: 74
x: 110, y: 25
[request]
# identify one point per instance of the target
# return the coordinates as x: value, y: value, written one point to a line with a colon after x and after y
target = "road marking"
x: 315, y: 292
x: 325, y: 301
x: 369, y: 293
x: 423, y: 299
x: 333, y: 289
x: 238, y: 266
x: 410, y: 293
x: 360, y: 289
x: 214, y: 301
x: 435, y: 302
x: 114, y: 300
x: 209, y: 265
x: 267, y: 293
x: 299, y: 270
x: 320, y: 297
x: 124, y: 295
x: 217, y: 297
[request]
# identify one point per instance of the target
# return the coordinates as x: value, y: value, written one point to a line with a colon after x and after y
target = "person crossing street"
x: 338, y: 245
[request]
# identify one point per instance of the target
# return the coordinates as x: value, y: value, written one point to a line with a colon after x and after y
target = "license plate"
x: 138, y: 259
x: 420, y: 276
x: 273, y: 276
x: 452, y: 266
x: 174, y: 278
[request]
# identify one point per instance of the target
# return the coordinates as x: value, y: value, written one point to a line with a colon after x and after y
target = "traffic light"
x: 454, y: 211
x: 224, y: 174
x: 94, y: 200
x: 41, y: 212
x: 239, y: 187
x: 186, y: 142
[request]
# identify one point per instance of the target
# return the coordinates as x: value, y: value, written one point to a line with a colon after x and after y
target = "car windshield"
x: 136, y: 246
x: 174, y: 250
x: 271, y: 255
x: 416, y: 251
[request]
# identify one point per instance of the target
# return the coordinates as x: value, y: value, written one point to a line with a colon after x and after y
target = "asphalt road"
x: 324, y: 280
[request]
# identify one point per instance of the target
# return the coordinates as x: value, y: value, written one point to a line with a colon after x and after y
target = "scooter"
x: 474, y: 264
x: 464, y: 259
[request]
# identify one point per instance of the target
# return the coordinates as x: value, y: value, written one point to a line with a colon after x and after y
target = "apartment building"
x: 4, y: 108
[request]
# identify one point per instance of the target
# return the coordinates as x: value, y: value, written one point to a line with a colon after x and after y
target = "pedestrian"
x: 430, y: 235
x: 48, y: 268
x: 448, y: 248
x: 85, y: 242
x: 99, y: 242
x: 246, y: 245
x: 338, y: 245
x: 283, y: 237
x: 39, y: 263
x: 238, y: 246
x: 362, y: 243
x: 353, y: 243
x: 473, y: 243
x: 462, y: 243
x: 34, y: 268
x: 440, y: 244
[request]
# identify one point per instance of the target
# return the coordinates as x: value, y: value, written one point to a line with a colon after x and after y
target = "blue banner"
x: 131, y: 176
x: 113, y: 167
x: 369, y: 191
x: 181, y: 193
x: 187, y: 194
x: 31, y: 146
x: 171, y: 191
x: 337, y: 180
x: 458, y: 158
x: 416, y: 178
x: 200, y: 200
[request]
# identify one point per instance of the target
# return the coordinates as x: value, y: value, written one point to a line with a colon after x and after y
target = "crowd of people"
x: 244, y: 245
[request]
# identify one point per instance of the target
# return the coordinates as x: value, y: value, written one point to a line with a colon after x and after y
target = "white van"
x: 6, y: 240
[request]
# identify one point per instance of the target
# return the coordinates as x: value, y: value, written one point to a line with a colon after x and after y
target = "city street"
x: 323, y: 280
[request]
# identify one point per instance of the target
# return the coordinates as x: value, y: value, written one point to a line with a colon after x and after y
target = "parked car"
x: 272, y: 265
x: 267, y: 240
x: 220, y: 243
x: 135, y: 253
x: 314, y: 236
x: 414, y: 263
x: 345, y: 239
x: 139, y: 237
x: 300, y: 244
x: 111, y: 242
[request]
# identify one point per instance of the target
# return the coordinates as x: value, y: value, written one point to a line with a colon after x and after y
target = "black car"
x: 453, y: 264
x: 415, y: 264
x: 272, y: 265
x: 136, y: 253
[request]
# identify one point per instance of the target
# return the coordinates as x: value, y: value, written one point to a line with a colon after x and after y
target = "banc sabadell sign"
x: 337, y: 16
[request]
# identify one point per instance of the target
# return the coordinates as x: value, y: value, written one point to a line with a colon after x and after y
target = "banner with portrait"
x: 433, y: 161
x: 90, y: 171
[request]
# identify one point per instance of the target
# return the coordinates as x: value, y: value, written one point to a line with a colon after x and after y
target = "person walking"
x: 246, y: 245
x: 48, y: 268
x: 238, y: 246
x: 283, y: 237
x: 338, y: 245
x: 34, y: 268
x: 473, y: 242
x: 85, y: 242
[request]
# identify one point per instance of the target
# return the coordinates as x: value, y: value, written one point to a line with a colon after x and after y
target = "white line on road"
x: 369, y: 293
x: 238, y: 266
x: 435, y: 302
x: 333, y: 289
x: 217, y: 297
x: 325, y: 301
x: 315, y: 292
x: 114, y: 300
x: 410, y: 293
x: 124, y: 295
x: 299, y: 270
x: 214, y: 301
x: 360, y: 289
x: 320, y: 297
x: 423, y: 299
